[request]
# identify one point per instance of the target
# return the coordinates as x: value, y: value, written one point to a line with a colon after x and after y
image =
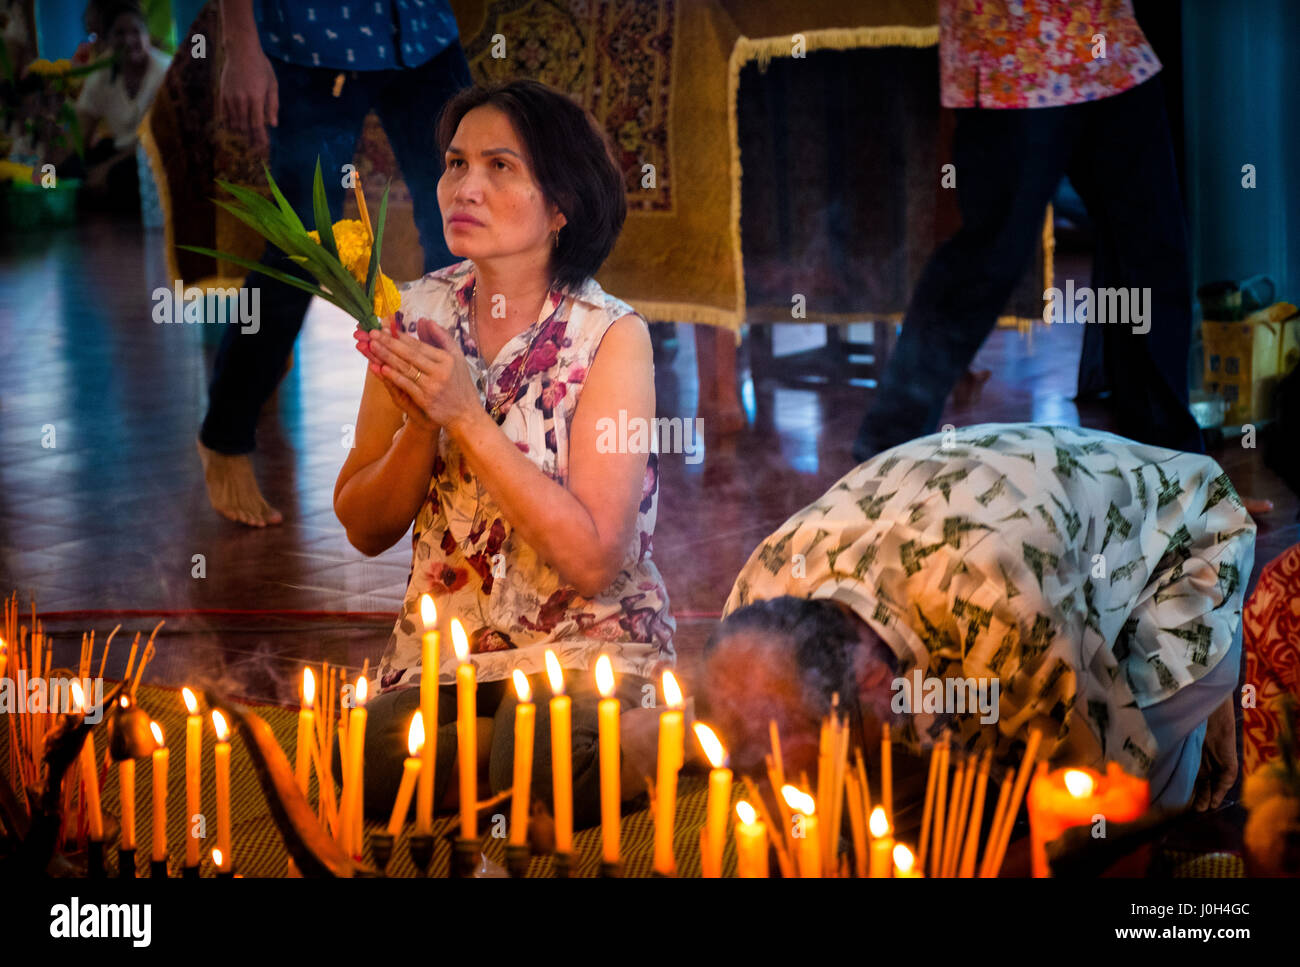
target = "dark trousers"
x: 1118, y: 154
x: 314, y: 123
x: 389, y: 718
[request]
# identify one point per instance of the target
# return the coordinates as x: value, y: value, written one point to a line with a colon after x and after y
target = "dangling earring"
x: 555, y: 239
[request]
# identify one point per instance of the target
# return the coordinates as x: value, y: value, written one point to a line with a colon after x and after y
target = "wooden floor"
x: 113, y: 515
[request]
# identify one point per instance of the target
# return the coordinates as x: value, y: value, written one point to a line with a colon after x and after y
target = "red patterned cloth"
x: 1272, y: 639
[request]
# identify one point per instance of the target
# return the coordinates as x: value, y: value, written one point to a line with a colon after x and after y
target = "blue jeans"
x: 315, y: 124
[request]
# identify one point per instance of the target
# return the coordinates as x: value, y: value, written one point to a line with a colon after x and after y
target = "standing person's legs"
x: 408, y: 107
x: 1009, y: 163
x: 1124, y: 170
x: 249, y: 364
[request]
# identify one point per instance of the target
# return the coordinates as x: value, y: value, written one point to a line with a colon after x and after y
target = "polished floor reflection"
x: 103, y: 508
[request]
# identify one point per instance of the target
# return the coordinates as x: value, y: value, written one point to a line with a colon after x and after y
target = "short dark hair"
x: 572, y: 160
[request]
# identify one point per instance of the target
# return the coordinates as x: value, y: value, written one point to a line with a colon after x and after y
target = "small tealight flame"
x: 523, y: 691
x: 604, y: 676
x: 156, y: 729
x: 1079, y: 783
x: 878, y: 824
x: 362, y: 690
x: 415, y: 735
x: 798, y: 800
x: 555, y: 673
x: 672, y: 691
x: 428, y: 612
x: 713, y: 749
x: 191, y: 703
x: 124, y: 701
x: 219, y: 724
x: 459, y: 641
x: 216, y: 858
x: 308, y: 688
x: 903, y: 858
x: 78, y: 698
x: 746, y: 812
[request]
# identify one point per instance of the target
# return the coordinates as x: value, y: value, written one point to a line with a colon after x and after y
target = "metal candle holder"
x: 421, y: 846
x: 518, y: 857
x: 190, y: 872
x: 465, y: 855
x: 126, y: 864
x: 381, y: 850
x: 563, y: 864
x: 95, y: 859
x: 158, y: 869
x: 612, y: 871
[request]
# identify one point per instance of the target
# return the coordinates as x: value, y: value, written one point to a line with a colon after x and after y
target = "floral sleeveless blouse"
x: 514, y: 605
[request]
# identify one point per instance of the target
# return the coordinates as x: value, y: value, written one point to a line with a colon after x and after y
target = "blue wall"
x: 1242, y: 99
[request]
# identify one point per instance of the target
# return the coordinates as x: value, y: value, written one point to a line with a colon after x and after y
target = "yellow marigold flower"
x: 353, y: 244
x: 387, y: 299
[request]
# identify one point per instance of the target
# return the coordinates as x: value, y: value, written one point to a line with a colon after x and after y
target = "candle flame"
x: 604, y: 676
x: 219, y: 724
x: 746, y: 812
x: 191, y: 703
x: 124, y: 701
x: 458, y: 640
x: 555, y: 673
x: 361, y: 691
x: 156, y: 729
x: 798, y: 800
x: 713, y: 749
x: 1079, y: 783
x: 523, y: 691
x: 308, y: 688
x: 672, y: 691
x: 78, y: 698
x: 428, y: 612
x: 216, y: 858
x: 415, y: 736
x: 878, y: 824
x: 903, y: 858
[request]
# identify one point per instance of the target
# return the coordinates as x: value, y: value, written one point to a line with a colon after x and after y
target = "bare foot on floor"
x: 233, y: 489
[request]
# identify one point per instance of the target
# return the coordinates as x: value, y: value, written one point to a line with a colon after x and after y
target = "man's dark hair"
x: 827, y: 638
x: 572, y: 161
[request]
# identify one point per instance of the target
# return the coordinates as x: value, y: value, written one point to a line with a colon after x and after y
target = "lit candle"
x: 904, y: 864
x: 410, y: 772
x: 193, y: 806
x: 525, y: 714
x: 882, y: 844
x: 751, y: 843
x: 561, y: 755
x: 89, y: 768
x: 672, y: 740
x: 809, y: 851
x: 350, y: 807
x: 306, y: 726
x: 1075, y: 797
x: 430, y: 656
x: 126, y: 795
x: 466, y: 732
x: 222, y: 760
x: 607, y: 717
x: 719, y: 802
x: 159, y: 795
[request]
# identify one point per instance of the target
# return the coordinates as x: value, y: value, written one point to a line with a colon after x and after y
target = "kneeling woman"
x: 479, y: 422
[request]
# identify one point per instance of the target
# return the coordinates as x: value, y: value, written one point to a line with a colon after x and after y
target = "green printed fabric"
x: 1093, y: 576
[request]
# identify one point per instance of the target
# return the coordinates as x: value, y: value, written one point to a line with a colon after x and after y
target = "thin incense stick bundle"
x: 1017, y: 795
x: 990, y: 845
x: 887, y: 773
x: 928, y: 810
x: 966, y: 868
x: 954, y: 806
x: 963, y: 810
x: 857, y: 827
x: 940, y: 804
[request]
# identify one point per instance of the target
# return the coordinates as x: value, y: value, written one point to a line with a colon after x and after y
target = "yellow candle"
x: 719, y: 802
x: 306, y: 730
x: 607, y: 717
x: 561, y: 756
x: 466, y: 732
x: 525, y: 713
x: 89, y: 766
x: 222, y: 760
x: 904, y: 864
x: 410, y: 772
x: 887, y: 773
x: 751, y: 843
x: 126, y: 796
x: 350, y: 808
x: 159, y: 795
x: 430, y: 656
x: 882, y: 844
x: 193, y: 805
x: 672, y: 741
x: 808, y: 846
